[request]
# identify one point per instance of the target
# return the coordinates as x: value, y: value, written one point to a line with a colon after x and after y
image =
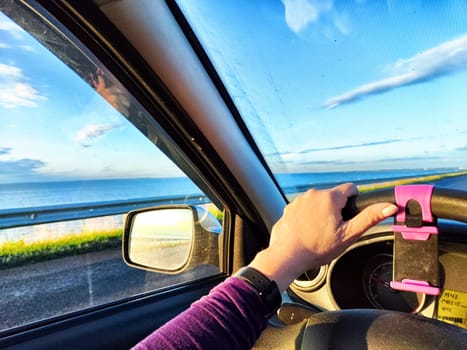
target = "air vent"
x: 311, y: 279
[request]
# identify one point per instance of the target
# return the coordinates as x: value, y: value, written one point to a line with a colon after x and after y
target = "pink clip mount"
x: 422, y: 194
x: 408, y: 285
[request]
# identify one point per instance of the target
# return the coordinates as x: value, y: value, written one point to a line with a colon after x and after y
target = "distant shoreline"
x: 367, y: 186
x: 410, y: 180
x: 45, y: 182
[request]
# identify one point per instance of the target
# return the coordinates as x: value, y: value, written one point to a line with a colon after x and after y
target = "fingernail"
x: 390, y: 210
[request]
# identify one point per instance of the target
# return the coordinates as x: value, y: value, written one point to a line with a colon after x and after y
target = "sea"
x: 63, y: 193
x: 29, y: 195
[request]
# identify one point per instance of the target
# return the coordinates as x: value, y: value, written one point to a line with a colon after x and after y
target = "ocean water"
x: 25, y: 195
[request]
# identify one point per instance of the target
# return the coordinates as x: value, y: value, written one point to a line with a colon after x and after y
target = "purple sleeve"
x: 232, y: 316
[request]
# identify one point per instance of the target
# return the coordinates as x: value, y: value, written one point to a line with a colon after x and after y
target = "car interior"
x: 195, y: 112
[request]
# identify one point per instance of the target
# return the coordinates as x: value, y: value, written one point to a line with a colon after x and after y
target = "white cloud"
x: 300, y: 13
x: 5, y: 150
x: 91, y: 132
x: 11, y: 27
x: 14, y: 90
x: 15, y: 31
x: 28, y: 48
x: 8, y: 25
x: 7, y: 71
x: 448, y: 58
x: 342, y: 23
x: 19, y: 95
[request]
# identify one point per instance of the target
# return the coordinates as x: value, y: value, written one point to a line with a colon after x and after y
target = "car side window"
x: 77, y: 152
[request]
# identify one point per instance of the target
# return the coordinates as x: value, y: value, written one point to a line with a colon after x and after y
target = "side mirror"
x: 171, y: 239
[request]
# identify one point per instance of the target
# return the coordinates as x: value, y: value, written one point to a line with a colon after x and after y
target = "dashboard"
x: 360, y: 278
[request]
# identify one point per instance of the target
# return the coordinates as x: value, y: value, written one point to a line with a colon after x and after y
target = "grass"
x: 16, y: 253
x: 218, y: 214
x: 406, y: 181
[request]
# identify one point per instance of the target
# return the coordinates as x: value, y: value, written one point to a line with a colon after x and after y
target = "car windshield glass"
x: 363, y: 91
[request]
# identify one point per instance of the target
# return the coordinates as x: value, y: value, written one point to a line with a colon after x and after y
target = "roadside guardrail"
x: 19, y: 217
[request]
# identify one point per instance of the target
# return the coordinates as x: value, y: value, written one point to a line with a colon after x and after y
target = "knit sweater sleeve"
x: 231, y: 316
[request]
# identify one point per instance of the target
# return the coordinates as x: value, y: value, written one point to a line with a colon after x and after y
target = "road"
x: 42, y: 290
x: 458, y: 182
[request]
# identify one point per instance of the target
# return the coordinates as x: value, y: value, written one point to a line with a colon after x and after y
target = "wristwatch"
x: 267, y: 289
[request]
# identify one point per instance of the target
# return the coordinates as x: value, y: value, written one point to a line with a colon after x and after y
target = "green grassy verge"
x: 20, y: 253
x: 406, y: 181
x: 218, y: 214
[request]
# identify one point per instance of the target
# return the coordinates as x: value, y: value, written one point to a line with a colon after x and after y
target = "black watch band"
x: 267, y: 289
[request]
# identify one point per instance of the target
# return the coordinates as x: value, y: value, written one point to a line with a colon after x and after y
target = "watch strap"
x: 266, y: 289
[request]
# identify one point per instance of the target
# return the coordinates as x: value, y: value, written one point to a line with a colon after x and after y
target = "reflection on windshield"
x: 338, y: 91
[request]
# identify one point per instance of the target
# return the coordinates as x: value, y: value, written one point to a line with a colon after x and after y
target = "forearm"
x: 277, y: 267
x: 232, y: 316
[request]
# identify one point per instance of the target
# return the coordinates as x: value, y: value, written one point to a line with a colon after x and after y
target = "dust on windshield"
x: 345, y: 91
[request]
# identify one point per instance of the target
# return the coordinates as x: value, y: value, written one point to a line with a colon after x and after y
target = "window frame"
x: 247, y: 216
x: 157, y: 102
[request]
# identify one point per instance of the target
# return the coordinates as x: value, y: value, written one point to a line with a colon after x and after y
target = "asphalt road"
x: 458, y: 182
x: 42, y: 290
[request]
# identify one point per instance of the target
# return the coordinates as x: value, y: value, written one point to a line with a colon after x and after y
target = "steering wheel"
x: 369, y: 328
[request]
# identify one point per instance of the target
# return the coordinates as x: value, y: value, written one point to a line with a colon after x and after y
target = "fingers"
x: 369, y: 217
x: 347, y: 189
x: 340, y: 194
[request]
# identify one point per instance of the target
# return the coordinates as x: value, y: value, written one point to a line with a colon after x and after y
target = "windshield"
x: 361, y: 91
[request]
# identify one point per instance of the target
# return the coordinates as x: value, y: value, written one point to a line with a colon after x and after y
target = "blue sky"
x: 54, y: 126
x: 339, y: 85
x: 323, y: 86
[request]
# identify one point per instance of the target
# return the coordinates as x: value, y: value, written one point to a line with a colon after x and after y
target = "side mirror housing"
x: 171, y: 239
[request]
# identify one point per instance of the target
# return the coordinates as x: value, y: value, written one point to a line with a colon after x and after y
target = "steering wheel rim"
x: 446, y: 203
x: 381, y: 329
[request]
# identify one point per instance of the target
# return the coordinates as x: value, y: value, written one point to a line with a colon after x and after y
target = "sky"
x: 323, y: 86
x: 339, y: 85
x: 55, y: 127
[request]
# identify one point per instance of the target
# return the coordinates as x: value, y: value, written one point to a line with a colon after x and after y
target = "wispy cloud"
x: 326, y: 162
x: 20, y: 169
x: 358, y: 145
x: 15, y: 91
x: 386, y: 161
x: 341, y: 22
x: 5, y: 150
x: 9, y: 72
x: 28, y: 48
x: 300, y: 13
x: 87, y: 135
x: 448, y: 58
x: 334, y: 148
x: 15, y: 32
x: 11, y: 27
